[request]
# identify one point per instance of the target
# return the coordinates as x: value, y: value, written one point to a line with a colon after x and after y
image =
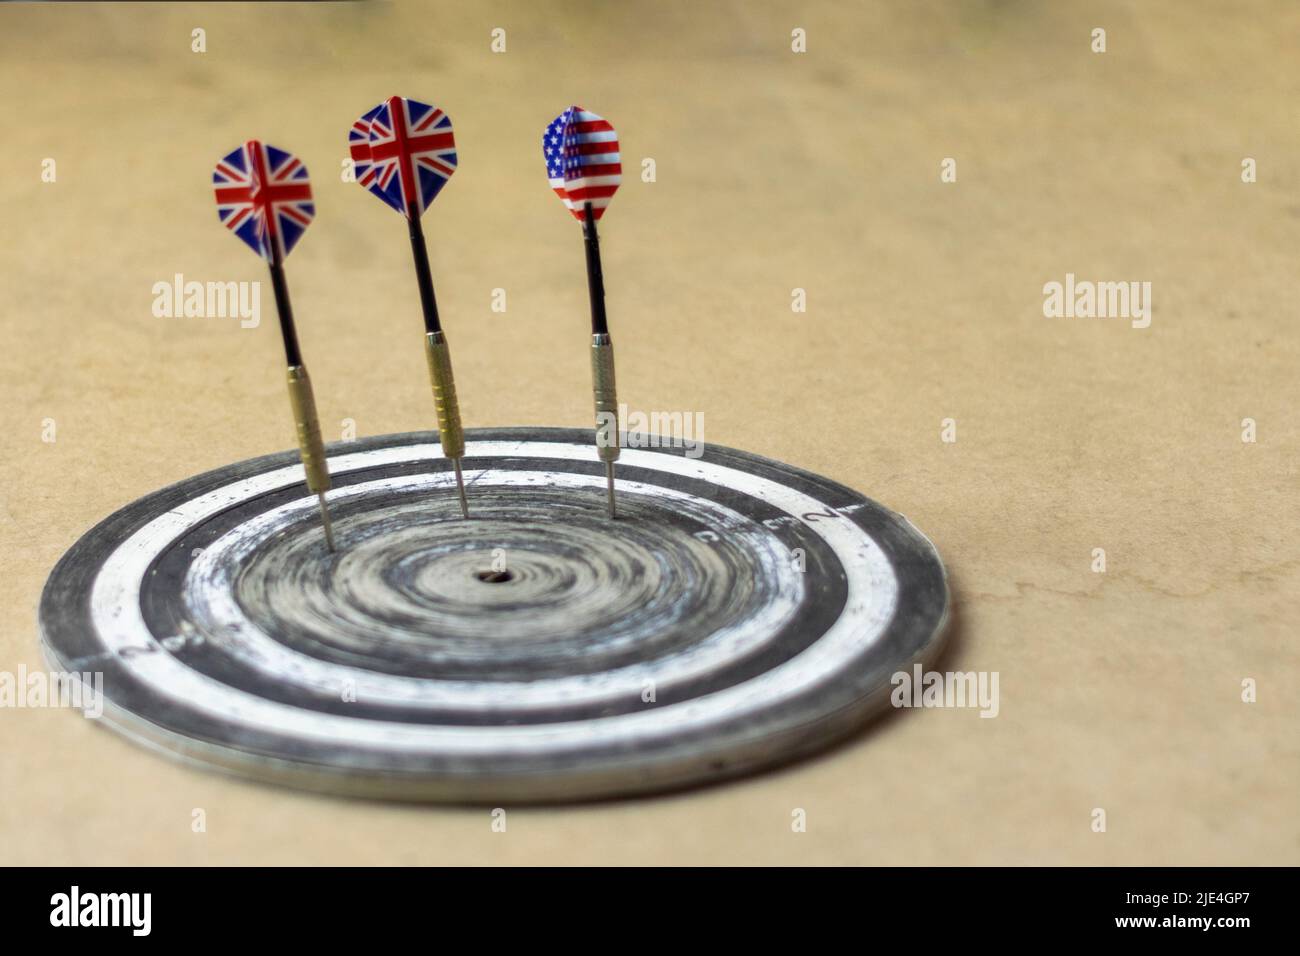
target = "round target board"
x: 736, y: 614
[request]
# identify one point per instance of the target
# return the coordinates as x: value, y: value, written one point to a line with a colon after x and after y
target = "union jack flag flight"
x: 264, y: 197
x: 404, y: 152
x: 359, y: 147
x: 582, y: 160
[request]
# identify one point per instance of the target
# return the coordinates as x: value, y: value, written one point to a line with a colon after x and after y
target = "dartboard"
x: 737, y: 613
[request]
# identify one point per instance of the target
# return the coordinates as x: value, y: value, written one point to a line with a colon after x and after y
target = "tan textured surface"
x: 775, y: 171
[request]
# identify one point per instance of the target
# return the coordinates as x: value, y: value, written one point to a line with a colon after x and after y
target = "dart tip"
x: 609, y: 484
x: 325, y: 519
x: 460, y: 488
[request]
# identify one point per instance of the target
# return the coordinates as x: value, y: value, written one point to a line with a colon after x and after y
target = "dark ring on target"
x: 739, y: 613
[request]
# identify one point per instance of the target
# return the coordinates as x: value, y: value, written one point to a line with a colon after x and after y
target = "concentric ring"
x: 738, y: 613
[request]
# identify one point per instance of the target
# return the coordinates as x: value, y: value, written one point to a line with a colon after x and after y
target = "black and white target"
x: 737, y: 613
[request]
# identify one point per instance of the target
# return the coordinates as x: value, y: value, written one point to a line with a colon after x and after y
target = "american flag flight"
x: 582, y: 160
x: 412, y: 153
x: 552, y: 152
x: 264, y: 197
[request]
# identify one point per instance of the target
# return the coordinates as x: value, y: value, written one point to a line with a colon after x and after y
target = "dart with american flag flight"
x: 403, y: 152
x: 264, y: 197
x: 584, y: 169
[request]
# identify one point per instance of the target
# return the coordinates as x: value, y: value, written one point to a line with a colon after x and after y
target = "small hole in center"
x: 494, y: 577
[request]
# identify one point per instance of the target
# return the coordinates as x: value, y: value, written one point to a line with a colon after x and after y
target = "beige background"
x: 1119, y: 690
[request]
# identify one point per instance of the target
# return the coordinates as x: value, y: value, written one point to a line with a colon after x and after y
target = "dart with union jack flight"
x: 264, y: 197
x: 584, y: 169
x: 404, y: 151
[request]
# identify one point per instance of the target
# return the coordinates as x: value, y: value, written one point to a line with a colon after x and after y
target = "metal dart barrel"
x: 310, y: 445
x: 605, y: 394
x: 450, y: 432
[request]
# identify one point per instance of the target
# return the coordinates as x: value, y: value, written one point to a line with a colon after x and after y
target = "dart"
x: 583, y: 167
x: 264, y: 197
x: 404, y: 152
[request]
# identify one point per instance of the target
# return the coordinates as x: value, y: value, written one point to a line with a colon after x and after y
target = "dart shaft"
x: 595, y: 276
x: 606, y: 397
x: 424, y: 276
x: 450, y: 432
x: 283, y: 308
x: 310, y: 444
